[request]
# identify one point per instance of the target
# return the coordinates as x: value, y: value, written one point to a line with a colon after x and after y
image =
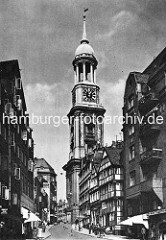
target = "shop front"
x: 11, y: 225
x: 30, y: 224
x: 157, y: 223
x: 137, y: 226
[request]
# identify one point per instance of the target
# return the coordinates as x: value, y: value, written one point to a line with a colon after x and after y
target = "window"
x: 18, y: 129
x: 22, y: 183
x: 5, y: 133
x: 132, y: 178
x: 139, y: 87
x: 3, y: 191
x: 18, y: 151
x: 117, y: 171
x: 131, y: 130
x: 143, y: 175
x: 17, y: 83
x: 4, y: 163
x: 131, y: 152
x: 12, y: 139
x: 130, y: 101
x: 90, y: 129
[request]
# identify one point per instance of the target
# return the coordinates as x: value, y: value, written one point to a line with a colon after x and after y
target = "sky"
x: 43, y: 35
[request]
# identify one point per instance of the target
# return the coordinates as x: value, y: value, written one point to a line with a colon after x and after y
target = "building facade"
x: 145, y: 144
x: 84, y: 188
x: 111, y: 187
x: 16, y: 150
x: 62, y: 212
x: 45, y: 189
x: 85, y: 118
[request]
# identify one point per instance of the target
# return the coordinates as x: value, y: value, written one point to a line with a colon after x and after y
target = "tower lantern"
x: 85, y: 62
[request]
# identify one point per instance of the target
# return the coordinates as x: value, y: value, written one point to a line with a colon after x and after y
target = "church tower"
x: 85, y: 118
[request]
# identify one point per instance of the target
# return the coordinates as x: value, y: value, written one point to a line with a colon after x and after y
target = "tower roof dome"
x: 84, y: 48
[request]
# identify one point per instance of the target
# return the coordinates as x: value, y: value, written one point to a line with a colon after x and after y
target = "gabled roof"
x: 133, y: 79
x: 113, y: 155
x: 156, y: 63
x: 42, y: 163
x: 98, y: 157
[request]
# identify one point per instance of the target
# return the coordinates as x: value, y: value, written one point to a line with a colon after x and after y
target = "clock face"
x: 89, y: 94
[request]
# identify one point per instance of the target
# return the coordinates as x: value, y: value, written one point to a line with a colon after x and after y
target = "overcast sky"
x: 43, y: 35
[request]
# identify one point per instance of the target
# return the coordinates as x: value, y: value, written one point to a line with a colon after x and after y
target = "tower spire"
x: 84, y: 38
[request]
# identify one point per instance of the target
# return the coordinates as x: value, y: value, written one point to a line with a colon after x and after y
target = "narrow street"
x: 63, y: 231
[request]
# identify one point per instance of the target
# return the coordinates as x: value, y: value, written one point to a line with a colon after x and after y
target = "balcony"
x: 147, y: 102
x: 149, y: 129
x: 151, y: 157
x: 154, y: 185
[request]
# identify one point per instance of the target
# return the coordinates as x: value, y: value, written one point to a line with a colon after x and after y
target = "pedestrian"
x: 2, y: 230
x: 71, y: 232
x: 43, y: 226
x: 35, y: 232
x: 143, y: 232
x: 92, y: 228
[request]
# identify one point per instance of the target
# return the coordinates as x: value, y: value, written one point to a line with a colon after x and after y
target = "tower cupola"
x: 85, y: 62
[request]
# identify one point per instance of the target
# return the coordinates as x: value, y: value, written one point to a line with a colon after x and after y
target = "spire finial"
x: 84, y: 39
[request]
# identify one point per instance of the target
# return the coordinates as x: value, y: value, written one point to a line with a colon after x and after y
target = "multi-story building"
x: 85, y: 118
x: 106, y: 181
x: 84, y: 181
x: 16, y: 149
x: 145, y: 144
x: 111, y: 187
x: 45, y: 189
x: 94, y: 193
x: 61, y: 211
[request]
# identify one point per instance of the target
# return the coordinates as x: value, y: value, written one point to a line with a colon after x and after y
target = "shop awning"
x: 32, y: 218
x: 138, y: 219
x: 24, y: 212
x: 29, y: 216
